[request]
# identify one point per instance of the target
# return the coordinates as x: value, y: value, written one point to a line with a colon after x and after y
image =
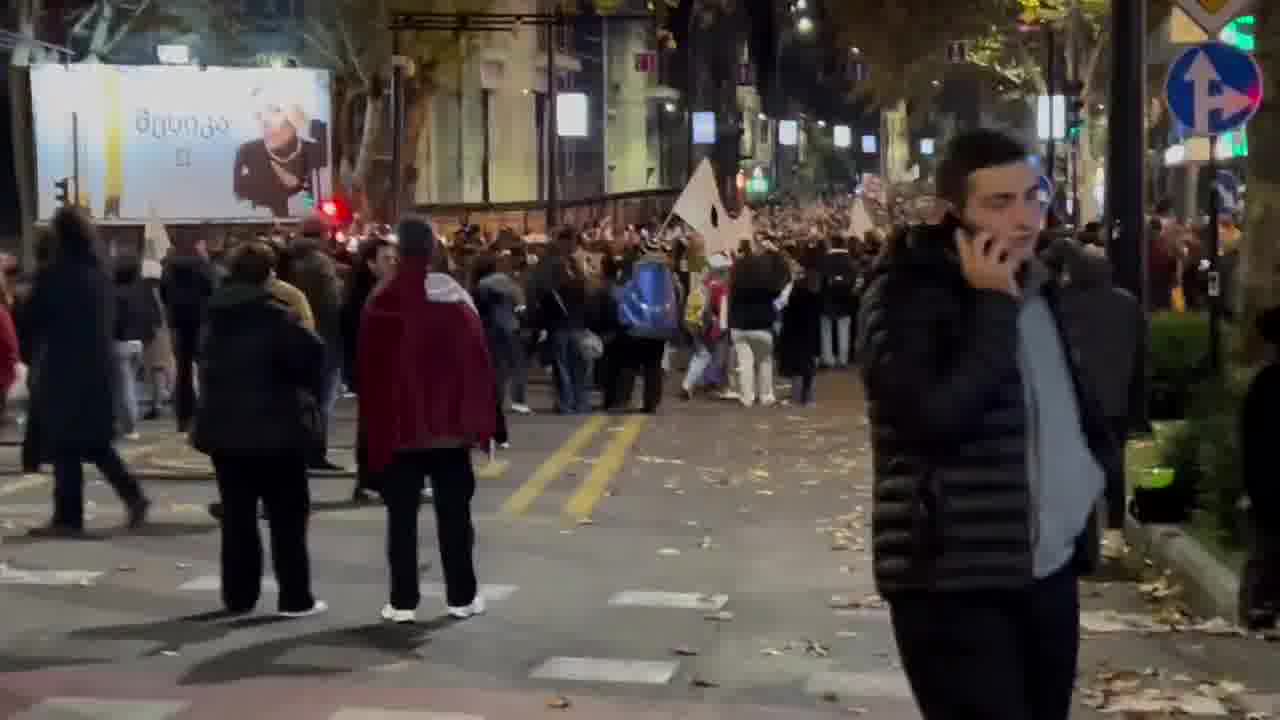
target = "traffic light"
x: 63, y: 195
x: 1075, y: 117
x: 336, y: 212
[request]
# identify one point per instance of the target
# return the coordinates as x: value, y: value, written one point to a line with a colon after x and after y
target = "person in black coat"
x: 186, y: 282
x: 1260, y: 581
x: 261, y: 374
x: 840, y: 285
x: 69, y: 317
x: 801, y: 337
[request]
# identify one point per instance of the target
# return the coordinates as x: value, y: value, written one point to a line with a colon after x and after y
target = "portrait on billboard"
x: 183, y: 143
x: 273, y: 170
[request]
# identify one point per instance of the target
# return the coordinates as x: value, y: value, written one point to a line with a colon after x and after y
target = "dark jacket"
x: 1108, y: 328
x: 69, y: 317
x: 754, y: 286
x: 1258, y: 416
x: 801, y: 332
x: 186, y: 284
x: 953, y: 505
x: 313, y: 272
x: 137, y: 316
x: 840, y: 284
x: 259, y: 377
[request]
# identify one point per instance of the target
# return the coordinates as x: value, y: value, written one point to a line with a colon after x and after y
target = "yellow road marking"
x: 552, y: 467
x: 492, y: 470
x: 23, y: 484
x: 606, y: 467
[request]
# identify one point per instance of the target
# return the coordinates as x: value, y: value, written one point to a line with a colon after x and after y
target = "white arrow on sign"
x: 1202, y: 74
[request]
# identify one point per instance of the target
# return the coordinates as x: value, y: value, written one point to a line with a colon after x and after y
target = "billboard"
x: 184, y: 142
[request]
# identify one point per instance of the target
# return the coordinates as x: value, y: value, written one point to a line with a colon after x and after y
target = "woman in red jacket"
x: 9, y: 356
x: 427, y: 393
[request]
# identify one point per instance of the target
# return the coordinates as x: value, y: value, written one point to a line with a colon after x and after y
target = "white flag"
x: 155, y: 238
x: 699, y: 204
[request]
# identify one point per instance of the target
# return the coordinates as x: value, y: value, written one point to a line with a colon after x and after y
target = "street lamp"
x: 804, y: 25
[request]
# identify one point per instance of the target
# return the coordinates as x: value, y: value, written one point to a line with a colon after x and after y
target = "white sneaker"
x: 521, y: 409
x: 390, y: 614
x: 428, y: 495
x: 769, y: 401
x: 319, y: 607
x: 504, y: 446
x: 133, y: 436
x: 477, y: 607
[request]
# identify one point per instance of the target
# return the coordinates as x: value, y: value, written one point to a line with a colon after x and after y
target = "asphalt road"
x: 706, y: 562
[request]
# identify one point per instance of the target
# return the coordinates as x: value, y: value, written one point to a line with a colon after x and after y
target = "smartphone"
x: 951, y: 223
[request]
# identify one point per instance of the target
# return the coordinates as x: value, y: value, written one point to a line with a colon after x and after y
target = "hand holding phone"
x: 986, y: 263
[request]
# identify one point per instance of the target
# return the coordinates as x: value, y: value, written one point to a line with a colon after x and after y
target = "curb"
x: 1211, y: 588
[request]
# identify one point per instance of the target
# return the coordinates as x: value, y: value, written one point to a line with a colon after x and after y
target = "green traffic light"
x: 1240, y: 34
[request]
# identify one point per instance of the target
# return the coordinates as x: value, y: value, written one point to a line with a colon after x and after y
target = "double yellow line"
x: 593, y: 488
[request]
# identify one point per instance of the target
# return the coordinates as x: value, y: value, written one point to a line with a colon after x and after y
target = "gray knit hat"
x: 417, y: 238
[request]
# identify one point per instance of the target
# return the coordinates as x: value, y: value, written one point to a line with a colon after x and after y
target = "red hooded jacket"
x: 426, y: 377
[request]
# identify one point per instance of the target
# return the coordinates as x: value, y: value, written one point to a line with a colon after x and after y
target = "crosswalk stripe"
x: 606, y: 467
x: 66, y: 708
x: 552, y: 467
x: 381, y: 714
x: 606, y: 670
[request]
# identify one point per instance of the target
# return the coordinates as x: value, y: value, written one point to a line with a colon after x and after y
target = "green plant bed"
x: 1177, y: 348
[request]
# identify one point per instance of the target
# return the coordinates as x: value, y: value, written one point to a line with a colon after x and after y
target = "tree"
x: 351, y: 37
x: 1259, y: 270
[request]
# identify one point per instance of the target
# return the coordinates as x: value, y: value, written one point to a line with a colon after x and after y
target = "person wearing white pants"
x: 755, y: 366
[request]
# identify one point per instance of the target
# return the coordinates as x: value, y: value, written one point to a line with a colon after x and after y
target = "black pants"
x: 453, y: 483
x: 279, y: 481
x: 33, y: 455
x: 1260, y: 581
x: 68, y: 483
x: 638, y: 356
x: 1116, y: 496
x: 992, y: 655
x: 186, y: 340
x: 500, y: 435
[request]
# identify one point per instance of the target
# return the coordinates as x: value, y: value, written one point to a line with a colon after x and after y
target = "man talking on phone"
x: 989, y: 453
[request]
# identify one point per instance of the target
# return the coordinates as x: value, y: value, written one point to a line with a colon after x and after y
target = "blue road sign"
x: 1045, y: 190
x: 1213, y: 89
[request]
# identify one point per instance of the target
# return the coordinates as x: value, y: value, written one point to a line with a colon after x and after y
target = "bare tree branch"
x: 351, y: 52
x: 323, y: 48
x: 127, y: 26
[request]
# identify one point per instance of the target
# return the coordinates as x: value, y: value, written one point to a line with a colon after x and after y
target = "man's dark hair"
x: 251, y: 263
x: 970, y: 152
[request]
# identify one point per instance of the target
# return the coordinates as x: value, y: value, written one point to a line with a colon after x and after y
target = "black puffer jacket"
x: 260, y: 376
x: 953, y: 507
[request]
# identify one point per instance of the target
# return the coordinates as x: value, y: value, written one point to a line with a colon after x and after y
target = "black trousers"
x: 992, y: 655
x: 279, y: 481
x: 186, y: 342
x: 1260, y: 580
x: 453, y: 483
x: 637, y: 356
x: 68, y: 483
x: 1116, y: 496
x: 500, y: 435
x: 33, y: 455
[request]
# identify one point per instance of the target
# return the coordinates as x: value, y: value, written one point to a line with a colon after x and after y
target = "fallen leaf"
x: 169, y: 653
x: 706, y: 543
x: 764, y: 492
x: 586, y: 521
x: 700, y: 682
x: 183, y: 566
x: 856, y: 710
x: 722, y: 616
x: 816, y: 649
x: 771, y: 652
x: 684, y: 651
x: 559, y: 702
x: 830, y: 696
x: 669, y: 552
x: 126, y: 568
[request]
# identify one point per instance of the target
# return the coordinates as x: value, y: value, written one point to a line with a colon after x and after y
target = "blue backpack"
x: 648, y: 305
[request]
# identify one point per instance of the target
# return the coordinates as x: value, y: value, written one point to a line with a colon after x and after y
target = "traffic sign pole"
x: 1215, y: 284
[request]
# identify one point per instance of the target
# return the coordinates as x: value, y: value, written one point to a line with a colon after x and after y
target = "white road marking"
x: 661, y: 599
x: 380, y: 714
x: 213, y: 583
x: 491, y: 593
x: 71, y: 708
x: 860, y: 684
x: 606, y: 670
x: 19, y: 576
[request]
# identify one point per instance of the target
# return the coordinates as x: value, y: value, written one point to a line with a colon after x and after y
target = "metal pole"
x: 1051, y: 74
x: 1215, y: 281
x: 553, y: 137
x: 604, y: 105
x: 397, y: 126
x: 75, y: 158
x: 1075, y: 181
x: 688, y: 100
x: 486, y: 97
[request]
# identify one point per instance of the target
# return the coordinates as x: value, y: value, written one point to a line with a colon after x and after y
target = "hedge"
x: 1177, y: 348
